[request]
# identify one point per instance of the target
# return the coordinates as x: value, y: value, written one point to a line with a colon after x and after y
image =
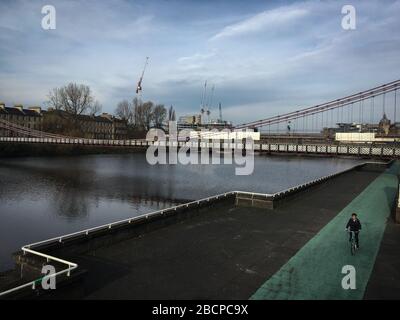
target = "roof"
x: 18, y: 112
x: 84, y: 117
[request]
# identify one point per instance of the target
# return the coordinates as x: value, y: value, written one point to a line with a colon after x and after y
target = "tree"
x: 136, y: 103
x: 147, y: 114
x: 96, y: 108
x: 54, y: 101
x: 159, y: 115
x: 171, y: 114
x: 75, y: 99
x: 124, y: 111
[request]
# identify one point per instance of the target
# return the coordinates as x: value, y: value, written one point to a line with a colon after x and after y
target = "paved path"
x: 315, y: 271
x: 385, y: 279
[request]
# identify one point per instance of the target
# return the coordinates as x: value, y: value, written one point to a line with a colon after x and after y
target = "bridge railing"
x: 352, y: 149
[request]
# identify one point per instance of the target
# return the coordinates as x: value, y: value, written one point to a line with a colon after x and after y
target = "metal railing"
x: 32, y: 284
x: 351, y: 149
x: 278, y: 194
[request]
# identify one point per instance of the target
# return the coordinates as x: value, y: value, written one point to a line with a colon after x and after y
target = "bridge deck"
x: 227, y: 252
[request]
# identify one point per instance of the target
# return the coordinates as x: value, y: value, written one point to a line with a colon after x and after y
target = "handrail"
x: 311, y: 182
x: 129, y: 220
x: 71, y: 266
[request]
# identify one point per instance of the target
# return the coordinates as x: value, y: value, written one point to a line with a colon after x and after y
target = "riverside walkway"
x: 225, y: 250
x: 232, y: 252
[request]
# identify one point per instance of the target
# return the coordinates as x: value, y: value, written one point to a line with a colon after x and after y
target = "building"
x: 189, y: 121
x: 120, y: 129
x: 104, y: 126
x: 30, y: 118
x: 195, y: 122
x: 384, y: 125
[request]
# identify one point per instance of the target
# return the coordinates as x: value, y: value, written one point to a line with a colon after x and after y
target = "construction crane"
x: 203, y: 97
x: 139, y: 84
x: 209, y: 104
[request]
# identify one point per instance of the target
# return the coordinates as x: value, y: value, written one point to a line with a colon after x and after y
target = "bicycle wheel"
x: 353, y: 248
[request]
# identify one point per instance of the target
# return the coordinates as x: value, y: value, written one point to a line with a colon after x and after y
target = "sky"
x: 263, y: 57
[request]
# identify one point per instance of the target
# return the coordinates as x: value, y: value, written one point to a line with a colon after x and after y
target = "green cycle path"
x: 315, y: 272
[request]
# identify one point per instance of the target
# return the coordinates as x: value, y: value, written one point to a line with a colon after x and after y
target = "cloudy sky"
x: 264, y: 57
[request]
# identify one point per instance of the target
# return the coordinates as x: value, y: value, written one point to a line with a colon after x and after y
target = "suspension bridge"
x: 361, y: 107
x: 366, y: 111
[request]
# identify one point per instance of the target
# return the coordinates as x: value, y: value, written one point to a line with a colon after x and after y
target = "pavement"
x: 228, y: 252
x: 315, y: 272
x: 384, y: 282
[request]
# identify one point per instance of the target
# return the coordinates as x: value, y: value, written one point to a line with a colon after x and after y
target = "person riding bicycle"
x: 354, y: 225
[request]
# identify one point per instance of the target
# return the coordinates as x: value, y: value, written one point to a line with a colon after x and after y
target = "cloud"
x: 288, y: 56
x: 265, y: 20
x: 196, y: 57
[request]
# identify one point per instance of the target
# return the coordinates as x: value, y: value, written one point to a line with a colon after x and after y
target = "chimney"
x: 106, y: 115
x: 36, y: 109
x: 20, y: 107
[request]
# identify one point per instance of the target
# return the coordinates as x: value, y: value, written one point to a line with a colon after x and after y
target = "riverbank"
x: 35, y: 150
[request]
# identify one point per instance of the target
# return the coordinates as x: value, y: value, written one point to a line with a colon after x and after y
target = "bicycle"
x: 353, y: 245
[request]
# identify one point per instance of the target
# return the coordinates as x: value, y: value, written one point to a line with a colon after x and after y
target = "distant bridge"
x: 306, y: 121
x: 335, y: 111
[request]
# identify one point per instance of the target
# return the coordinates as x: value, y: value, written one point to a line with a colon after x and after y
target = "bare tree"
x: 54, y: 99
x: 124, y: 111
x: 137, y: 113
x: 159, y: 115
x: 96, y: 108
x: 171, y: 114
x: 73, y: 98
x: 147, y: 114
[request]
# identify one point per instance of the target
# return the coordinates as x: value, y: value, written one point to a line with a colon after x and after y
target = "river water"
x: 45, y: 197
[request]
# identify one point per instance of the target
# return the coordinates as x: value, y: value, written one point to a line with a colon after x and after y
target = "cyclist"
x: 354, y: 225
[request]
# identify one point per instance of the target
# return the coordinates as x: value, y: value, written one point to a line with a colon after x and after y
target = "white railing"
x: 32, y: 284
x: 350, y: 149
x: 309, y: 183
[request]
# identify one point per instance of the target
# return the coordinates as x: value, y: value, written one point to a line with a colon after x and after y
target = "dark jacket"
x: 354, y: 225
